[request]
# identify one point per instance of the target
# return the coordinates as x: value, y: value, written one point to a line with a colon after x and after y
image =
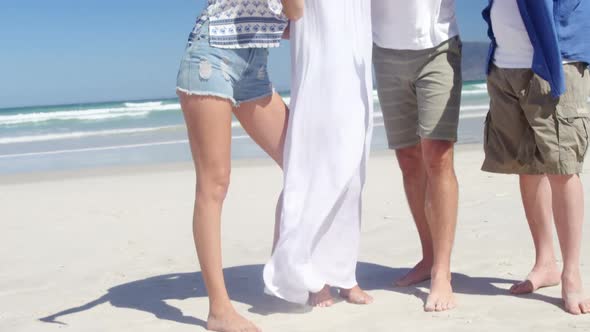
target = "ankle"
x: 544, y: 263
x: 220, y: 308
x: 440, y: 273
x: 571, y: 275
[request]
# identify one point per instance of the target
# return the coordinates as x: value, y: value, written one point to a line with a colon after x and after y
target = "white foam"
x: 474, y: 115
x: 103, y: 148
x: 467, y: 109
x: 87, y: 114
x: 146, y: 104
x: 474, y: 92
x: 81, y: 134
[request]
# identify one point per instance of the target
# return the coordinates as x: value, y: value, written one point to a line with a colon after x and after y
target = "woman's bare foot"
x: 356, y: 295
x: 322, y: 299
x: 541, y: 276
x: 230, y: 321
x: 441, y: 296
x: 572, y: 292
x: 419, y: 273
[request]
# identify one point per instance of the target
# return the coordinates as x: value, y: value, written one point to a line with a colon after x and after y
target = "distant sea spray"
x: 138, y: 132
x: 77, y: 117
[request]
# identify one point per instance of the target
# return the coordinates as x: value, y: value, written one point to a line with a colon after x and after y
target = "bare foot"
x: 356, y: 295
x: 419, y: 273
x: 322, y: 299
x: 441, y: 296
x: 573, y: 295
x: 540, y: 277
x: 230, y: 321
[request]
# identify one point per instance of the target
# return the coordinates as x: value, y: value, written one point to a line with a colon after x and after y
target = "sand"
x: 112, y: 250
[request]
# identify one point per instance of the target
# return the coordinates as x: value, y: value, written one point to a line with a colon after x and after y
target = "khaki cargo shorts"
x: 528, y: 131
x: 419, y: 92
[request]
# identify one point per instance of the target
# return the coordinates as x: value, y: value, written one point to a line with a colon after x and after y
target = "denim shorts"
x: 239, y: 75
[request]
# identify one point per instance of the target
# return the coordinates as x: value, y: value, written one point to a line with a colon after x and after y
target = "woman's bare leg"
x: 208, y: 120
x: 321, y: 299
x: 265, y: 120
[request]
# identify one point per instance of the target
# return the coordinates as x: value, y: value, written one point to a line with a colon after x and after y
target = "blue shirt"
x: 558, y: 29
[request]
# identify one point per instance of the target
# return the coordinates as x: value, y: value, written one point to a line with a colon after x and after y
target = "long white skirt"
x: 326, y: 150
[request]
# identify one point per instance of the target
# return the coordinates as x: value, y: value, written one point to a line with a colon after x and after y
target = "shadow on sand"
x: 245, y: 285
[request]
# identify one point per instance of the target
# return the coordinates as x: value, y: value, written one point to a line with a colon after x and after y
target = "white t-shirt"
x: 514, y: 46
x: 413, y: 24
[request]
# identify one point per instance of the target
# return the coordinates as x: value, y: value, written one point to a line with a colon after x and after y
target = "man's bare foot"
x: 419, y: 273
x: 230, y: 321
x: 356, y: 295
x: 573, y: 294
x: 540, y: 277
x: 322, y: 299
x: 441, y: 296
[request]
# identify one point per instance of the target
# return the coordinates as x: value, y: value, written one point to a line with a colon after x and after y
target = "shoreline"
x: 161, y: 167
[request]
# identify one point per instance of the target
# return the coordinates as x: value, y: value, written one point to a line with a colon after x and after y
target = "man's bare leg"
x: 442, y: 196
x: 412, y: 166
x: 568, y: 212
x: 536, y: 199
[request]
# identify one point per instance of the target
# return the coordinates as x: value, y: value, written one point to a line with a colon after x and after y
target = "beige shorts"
x: 528, y: 131
x: 420, y: 92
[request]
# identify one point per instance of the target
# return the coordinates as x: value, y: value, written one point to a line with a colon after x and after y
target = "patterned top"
x: 243, y: 23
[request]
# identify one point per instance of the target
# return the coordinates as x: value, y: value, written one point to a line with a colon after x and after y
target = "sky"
x: 75, y: 51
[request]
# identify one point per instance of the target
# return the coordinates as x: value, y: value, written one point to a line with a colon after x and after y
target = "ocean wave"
x: 136, y: 110
x: 466, y: 112
x: 474, y: 92
x: 85, y: 134
x: 469, y: 109
x: 478, y: 90
x: 101, y: 148
x: 81, y: 134
x: 146, y: 104
x: 87, y: 114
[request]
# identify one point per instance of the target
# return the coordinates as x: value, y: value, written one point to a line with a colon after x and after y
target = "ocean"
x: 66, y: 137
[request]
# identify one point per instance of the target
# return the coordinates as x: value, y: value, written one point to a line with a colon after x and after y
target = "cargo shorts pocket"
x: 572, y: 127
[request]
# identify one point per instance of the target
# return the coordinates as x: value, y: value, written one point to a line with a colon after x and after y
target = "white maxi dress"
x: 326, y: 150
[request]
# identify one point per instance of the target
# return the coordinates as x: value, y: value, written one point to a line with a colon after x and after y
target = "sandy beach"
x: 111, y: 250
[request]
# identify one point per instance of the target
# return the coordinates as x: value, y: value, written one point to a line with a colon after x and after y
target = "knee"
x: 438, y: 157
x: 562, y: 180
x: 410, y: 162
x: 213, y: 184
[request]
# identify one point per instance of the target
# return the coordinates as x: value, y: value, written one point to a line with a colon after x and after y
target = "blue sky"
x: 71, y: 51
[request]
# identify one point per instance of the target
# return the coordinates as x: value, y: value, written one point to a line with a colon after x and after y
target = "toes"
x: 430, y: 306
x: 447, y: 306
x: 585, y: 307
x: 453, y: 304
x: 573, y: 308
x: 524, y: 287
x: 516, y: 288
x: 439, y: 306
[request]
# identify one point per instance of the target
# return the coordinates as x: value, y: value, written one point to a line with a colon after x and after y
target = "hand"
x: 287, y: 32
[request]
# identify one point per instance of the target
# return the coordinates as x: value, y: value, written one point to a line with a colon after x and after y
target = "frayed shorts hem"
x: 208, y: 94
